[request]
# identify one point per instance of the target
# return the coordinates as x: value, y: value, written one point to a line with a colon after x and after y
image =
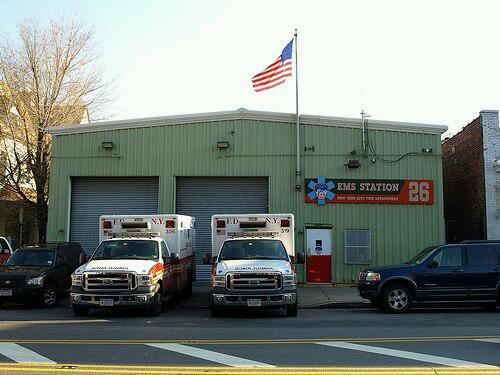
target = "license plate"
x: 254, y: 303
x: 5, y: 293
x: 106, y: 302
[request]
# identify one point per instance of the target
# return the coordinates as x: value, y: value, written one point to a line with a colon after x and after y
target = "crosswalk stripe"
x: 209, y: 355
x: 21, y: 354
x: 404, y: 354
x: 495, y: 341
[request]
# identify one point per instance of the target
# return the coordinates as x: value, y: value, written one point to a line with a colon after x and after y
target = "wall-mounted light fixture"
x: 222, y: 145
x: 353, y: 164
x: 108, y: 145
x: 427, y: 150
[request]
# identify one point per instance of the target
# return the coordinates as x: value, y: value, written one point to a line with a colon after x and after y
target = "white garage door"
x: 207, y: 196
x: 92, y: 197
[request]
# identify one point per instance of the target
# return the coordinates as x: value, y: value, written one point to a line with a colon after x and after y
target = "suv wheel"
x: 80, y: 311
x: 49, y: 297
x: 396, y: 299
x: 155, y: 308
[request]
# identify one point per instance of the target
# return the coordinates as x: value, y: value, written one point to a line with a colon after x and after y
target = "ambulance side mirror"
x: 174, y: 257
x: 207, y: 258
x: 82, y: 258
x: 300, y: 258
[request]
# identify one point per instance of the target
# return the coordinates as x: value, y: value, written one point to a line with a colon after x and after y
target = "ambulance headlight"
x: 289, y: 280
x: 219, y: 281
x: 145, y: 280
x: 76, y: 280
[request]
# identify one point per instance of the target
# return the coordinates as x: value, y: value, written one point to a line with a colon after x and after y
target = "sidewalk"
x: 310, y: 297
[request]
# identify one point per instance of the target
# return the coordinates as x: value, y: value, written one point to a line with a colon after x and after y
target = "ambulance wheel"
x: 291, y: 311
x: 155, y: 308
x: 80, y: 311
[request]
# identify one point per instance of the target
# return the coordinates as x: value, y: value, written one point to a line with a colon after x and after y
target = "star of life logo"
x: 321, y: 190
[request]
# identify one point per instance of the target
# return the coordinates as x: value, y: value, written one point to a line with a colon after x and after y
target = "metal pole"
x: 298, y: 179
x: 363, y: 130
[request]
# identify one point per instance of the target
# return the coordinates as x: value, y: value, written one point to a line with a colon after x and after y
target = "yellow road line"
x: 57, y: 321
x: 250, y: 342
x: 249, y: 371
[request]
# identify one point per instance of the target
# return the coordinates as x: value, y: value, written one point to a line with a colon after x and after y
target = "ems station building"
x: 369, y: 194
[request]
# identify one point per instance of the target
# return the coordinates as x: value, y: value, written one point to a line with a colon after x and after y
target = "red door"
x: 319, y: 255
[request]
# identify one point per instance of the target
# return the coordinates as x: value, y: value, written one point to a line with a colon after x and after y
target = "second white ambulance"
x: 253, y: 259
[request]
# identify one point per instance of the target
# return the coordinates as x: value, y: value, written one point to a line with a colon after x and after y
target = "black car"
x: 465, y: 272
x: 39, y: 274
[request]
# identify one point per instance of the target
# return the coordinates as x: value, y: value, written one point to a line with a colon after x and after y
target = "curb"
x: 327, y: 305
x: 340, y: 305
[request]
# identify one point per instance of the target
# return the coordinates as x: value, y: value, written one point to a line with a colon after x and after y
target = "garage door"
x: 207, y: 196
x: 93, y: 197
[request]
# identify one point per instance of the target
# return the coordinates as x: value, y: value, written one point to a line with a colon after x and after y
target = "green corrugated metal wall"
x: 263, y: 148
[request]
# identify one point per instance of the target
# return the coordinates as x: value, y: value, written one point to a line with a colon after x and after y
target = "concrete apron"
x: 310, y: 297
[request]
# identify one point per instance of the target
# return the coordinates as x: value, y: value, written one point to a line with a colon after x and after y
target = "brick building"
x: 471, y: 180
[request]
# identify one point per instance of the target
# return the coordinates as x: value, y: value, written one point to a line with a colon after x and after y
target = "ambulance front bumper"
x: 285, y: 297
x: 111, y: 299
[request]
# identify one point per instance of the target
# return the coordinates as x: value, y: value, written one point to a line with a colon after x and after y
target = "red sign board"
x: 323, y: 190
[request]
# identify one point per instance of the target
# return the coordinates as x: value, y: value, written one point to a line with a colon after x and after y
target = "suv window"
x: 478, y: 255
x: 4, y: 247
x: 72, y: 253
x: 494, y: 254
x: 450, y: 256
x: 60, y: 257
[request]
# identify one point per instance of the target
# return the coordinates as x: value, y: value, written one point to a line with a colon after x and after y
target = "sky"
x: 424, y: 61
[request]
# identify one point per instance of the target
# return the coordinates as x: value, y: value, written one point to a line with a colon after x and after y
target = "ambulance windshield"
x: 253, y: 249
x: 127, y: 249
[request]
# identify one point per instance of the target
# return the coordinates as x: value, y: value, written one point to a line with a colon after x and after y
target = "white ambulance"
x: 253, y: 259
x: 141, y: 260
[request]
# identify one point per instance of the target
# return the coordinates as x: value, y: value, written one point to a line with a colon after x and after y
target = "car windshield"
x: 253, y: 249
x: 34, y: 258
x: 126, y: 249
x: 420, y: 257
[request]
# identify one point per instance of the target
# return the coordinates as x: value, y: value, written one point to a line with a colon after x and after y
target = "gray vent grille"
x: 358, y: 248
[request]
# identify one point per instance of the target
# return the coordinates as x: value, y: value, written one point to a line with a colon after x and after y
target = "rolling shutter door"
x: 207, y: 196
x: 92, y: 197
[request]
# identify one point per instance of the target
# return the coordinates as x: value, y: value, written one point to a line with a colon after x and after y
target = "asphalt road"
x: 189, y: 341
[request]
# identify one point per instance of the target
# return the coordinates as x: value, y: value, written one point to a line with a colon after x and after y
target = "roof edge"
x: 243, y: 113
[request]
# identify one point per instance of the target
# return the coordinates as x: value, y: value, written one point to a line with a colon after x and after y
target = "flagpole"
x: 298, y: 179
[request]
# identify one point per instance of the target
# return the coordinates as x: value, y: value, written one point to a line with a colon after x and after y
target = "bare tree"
x: 48, y: 77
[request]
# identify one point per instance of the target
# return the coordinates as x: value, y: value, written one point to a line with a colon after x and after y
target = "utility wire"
x: 387, y: 161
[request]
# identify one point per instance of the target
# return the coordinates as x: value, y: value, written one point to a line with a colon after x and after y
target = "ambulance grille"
x: 102, y: 281
x: 254, y: 281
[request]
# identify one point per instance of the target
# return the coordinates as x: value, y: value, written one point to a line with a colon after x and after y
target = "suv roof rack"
x: 480, y: 241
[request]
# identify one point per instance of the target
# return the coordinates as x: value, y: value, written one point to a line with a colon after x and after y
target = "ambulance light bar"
x: 134, y: 234
x: 253, y: 224
x: 136, y: 225
x: 248, y: 233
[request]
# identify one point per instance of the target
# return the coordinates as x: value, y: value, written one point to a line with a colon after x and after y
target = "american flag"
x: 276, y: 73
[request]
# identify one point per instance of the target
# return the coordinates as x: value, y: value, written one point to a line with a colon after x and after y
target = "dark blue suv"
x: 465, y: 272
